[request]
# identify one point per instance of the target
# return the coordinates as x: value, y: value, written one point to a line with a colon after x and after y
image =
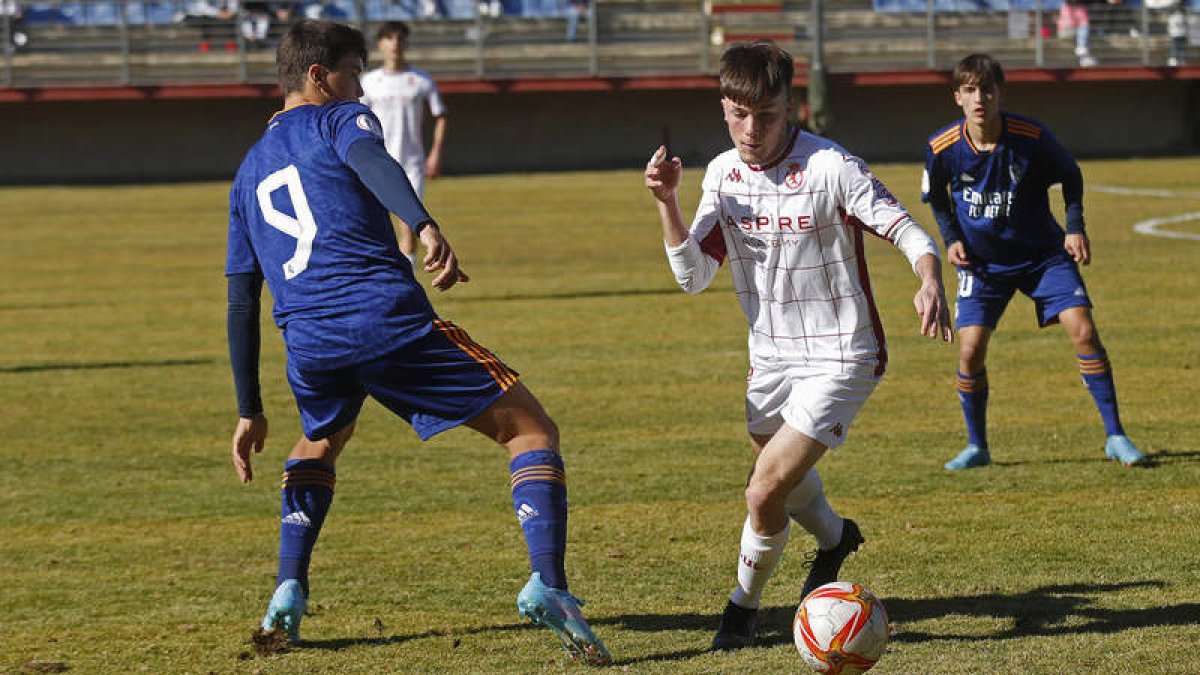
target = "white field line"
x: 1152, y: 226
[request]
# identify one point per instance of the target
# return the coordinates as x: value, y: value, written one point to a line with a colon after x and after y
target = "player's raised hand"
x: 440, y: 258
x: 663, y: 174
x: 250, y: 434
x: 1078, y: 248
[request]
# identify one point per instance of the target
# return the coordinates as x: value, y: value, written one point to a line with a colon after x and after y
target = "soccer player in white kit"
x: 398, y: 94
x: 788, y: 211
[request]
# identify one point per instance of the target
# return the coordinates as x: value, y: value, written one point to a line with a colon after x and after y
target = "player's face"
x: 980, y: 104
x: 392, y: 46
x: 343, y: 83
x: 759, y: 132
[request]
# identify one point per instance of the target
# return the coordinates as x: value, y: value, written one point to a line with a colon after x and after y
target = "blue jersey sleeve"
x: 935, y: 192
x: 239, y: 257
x: 385, y: 178
x: 1062, y: 168
x: 357, y: 138
x: 348, y: 122
x: 242, y: 327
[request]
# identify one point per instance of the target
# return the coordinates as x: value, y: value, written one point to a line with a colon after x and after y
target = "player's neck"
x: 298, y: 98
x: 395, y: 65
x: 985, y: 136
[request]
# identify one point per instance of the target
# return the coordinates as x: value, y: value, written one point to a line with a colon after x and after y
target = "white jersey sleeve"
x: 695, y: 262
x: 436, y: 107
x: 871, y: 205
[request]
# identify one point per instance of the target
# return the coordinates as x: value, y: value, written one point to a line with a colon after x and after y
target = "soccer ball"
x: 841, y: 628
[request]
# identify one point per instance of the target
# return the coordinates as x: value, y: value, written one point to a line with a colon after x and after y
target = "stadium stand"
x: 145, y: 43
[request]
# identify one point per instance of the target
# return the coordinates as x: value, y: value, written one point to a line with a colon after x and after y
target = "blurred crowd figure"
x: 217, y: 19
x: 1179, y: 24
x: 1074, y: 19
x: 11, y: 14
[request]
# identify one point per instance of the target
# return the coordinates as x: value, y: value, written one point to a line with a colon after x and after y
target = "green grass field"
x: 127, y: 544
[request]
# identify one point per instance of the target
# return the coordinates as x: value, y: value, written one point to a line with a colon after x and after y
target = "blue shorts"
x: 1054, y: 285
x: 435, y: 383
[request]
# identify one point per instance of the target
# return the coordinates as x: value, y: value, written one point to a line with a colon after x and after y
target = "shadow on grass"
x: 105, y: 365
x: 1153, y: 460
x: 337, y: 644
x: 1042, y: 611
x: 1167, y: 456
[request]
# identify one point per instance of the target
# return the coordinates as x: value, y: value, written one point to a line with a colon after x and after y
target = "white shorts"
x: 814, y: 401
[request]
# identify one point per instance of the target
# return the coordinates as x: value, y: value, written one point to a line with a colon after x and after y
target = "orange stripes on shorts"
x: 504, y: 376
x: 542, y: 472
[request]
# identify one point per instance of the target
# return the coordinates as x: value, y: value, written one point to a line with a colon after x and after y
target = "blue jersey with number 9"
x: 300, y: 217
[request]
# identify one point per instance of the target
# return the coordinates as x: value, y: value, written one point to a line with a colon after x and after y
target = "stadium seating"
x: 94, y: 42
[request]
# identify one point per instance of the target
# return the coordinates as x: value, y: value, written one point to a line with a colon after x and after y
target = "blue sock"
x: 307, y: 495
x: 973, y: 395
x: 1097, y: 376
x: 539, y: 494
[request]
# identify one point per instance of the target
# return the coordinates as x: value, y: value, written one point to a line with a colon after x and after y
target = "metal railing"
x: 615, y: 38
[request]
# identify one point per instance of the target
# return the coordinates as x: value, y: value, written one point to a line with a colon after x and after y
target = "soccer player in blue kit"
x: 309, y: 214
x: 987, y: 179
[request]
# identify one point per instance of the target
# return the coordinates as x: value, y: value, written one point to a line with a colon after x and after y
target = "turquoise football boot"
x: 286, y: 609
x: 971, y: 457
x: 558, y: 610
x: 1120, y: 449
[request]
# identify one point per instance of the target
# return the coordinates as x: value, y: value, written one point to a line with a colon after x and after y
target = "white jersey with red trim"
x: 792, y: 232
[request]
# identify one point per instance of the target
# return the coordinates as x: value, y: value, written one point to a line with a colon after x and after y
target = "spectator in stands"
x: 1177, y: 30
x: 257, y: 17
x: 11, y: 11
x: 1073, y: 16
x: 213, y: 19
x: 575, y: 9
x: 398, y: 94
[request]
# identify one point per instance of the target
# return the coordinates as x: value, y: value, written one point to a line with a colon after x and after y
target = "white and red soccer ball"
x: 841, y: 629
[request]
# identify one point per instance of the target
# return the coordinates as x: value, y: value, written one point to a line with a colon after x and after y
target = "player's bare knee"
x: 1086, y: 339
x: 763, y: 496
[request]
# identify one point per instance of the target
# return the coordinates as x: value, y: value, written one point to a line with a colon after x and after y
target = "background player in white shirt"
x: 788, y: 210
x: 398, y: 94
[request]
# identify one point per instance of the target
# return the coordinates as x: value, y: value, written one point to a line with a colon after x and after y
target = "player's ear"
x: 318, y: 77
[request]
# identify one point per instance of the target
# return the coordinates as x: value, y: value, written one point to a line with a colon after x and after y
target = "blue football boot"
x: 971, y: 457
x: 286, y: 609
x: 1120, y: 449
x: 558, y: 610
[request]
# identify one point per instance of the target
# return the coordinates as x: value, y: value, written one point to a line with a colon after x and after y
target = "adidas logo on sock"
x: 525, y: 512
x: 298, y: 519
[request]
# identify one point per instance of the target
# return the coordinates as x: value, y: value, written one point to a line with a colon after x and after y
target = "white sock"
x: 757, y: 562
x: 807, y: 506
x: 412, y: 258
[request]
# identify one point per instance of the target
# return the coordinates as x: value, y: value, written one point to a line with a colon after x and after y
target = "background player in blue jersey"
x: 309, y: 214
x: 987, y: 179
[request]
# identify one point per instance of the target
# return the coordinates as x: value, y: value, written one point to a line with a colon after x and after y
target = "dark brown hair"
x: 978, y: 69
x: 755, y: 72
x: 392, y: 29
x: 315, y: 41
